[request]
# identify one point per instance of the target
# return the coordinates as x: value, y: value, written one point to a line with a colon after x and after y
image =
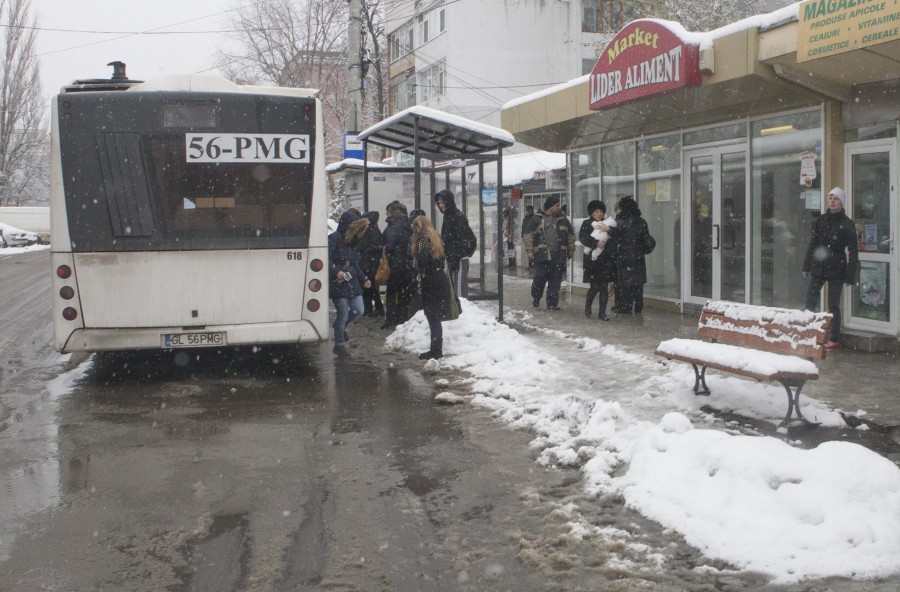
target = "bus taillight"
x: 64, y: 272
x: 316, y: 265
x: 315, y: 285
x: 312, y: 305
x: 66, y: 293
x: 69, y: 313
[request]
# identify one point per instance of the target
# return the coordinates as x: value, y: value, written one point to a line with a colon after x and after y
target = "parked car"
x: 16, y: 237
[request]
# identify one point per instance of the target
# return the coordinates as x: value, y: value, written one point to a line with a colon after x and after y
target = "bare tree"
x: 23, y: 144
x: 374, y: 64
x: 294, y: 43
x: 703, y: 15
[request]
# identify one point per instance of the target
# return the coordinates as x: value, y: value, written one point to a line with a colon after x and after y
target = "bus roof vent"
x: 119, y: 81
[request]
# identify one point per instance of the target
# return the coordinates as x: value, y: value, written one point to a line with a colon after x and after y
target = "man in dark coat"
x: 459, y: 241
x: 833, y: 237
x: 632, y: 237
x: 401, y: 284
x: 369, y: 248
x: 549, y: 242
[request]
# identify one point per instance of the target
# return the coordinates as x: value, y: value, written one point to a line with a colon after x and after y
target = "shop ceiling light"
x: 780, y: 129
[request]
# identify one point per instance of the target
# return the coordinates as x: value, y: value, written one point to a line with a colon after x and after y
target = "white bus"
x: 187, y: 211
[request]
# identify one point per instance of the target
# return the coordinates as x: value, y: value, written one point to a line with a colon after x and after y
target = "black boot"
x: 435, y: 352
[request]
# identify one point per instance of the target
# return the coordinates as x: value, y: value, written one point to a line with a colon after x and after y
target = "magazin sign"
x: 643, y: 59
x: 829, y: 27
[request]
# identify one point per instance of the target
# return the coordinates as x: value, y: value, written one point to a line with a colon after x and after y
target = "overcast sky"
x: 97, y: 32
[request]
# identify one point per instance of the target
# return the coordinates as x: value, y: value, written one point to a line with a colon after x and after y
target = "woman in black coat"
x: 428, y: 253
x: 632, y: 238
x: 599, y: 272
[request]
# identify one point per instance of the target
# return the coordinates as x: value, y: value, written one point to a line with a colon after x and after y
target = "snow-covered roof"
x: 704, y: 40
x: 439, y: 133
x: 357, y: 163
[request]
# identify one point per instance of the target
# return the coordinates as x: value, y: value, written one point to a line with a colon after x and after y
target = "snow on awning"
x: 438, y: 134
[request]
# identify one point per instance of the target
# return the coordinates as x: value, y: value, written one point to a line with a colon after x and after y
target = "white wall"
x: 35, y: 219
x: 496, y: 51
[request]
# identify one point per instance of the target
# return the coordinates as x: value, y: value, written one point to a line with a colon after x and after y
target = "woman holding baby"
x: 598, y: 263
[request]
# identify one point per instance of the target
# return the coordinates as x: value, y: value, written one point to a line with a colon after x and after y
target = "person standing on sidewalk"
x: 401, y: 284
x: 369, y: 248
x: 346, y: 278
x: 428, y: 253
x: 549, y: 243
x: 633, y: 243
x: 833, y: 238
x: 526, y: 220
x: 459, y: 241
x: 599, y: 272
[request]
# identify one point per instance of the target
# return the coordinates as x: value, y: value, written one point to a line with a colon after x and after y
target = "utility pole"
x: 353, y: 65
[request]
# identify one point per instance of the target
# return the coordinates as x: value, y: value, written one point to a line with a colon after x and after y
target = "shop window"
x: 585, y: 184
x: 871, y: 132
x: 716, y: 134
x: 659, y: 197
x: 784, y: 205
x: 617, y: 170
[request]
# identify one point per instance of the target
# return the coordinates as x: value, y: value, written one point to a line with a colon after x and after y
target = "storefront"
x: 730, y: 143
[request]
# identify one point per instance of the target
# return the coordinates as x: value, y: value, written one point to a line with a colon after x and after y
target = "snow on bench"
x: 759, y: 342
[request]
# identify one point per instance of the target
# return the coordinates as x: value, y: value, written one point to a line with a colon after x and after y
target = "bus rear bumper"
x: 91, y: 340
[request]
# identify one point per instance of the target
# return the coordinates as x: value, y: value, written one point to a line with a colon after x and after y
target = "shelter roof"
x: 438, y: 134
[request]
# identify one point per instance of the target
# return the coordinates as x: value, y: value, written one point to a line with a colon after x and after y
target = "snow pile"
x: 754, y: 502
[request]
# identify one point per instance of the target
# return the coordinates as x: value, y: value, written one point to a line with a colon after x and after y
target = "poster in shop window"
x: 873, y: 291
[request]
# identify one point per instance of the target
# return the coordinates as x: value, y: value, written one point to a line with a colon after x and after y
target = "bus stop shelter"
x: 441, y: 143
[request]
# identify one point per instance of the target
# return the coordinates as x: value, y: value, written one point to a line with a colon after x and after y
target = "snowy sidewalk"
x: 597, y: 400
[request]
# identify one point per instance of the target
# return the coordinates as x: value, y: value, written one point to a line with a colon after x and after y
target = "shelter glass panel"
x: 783, y: 205
x: 659, y: 197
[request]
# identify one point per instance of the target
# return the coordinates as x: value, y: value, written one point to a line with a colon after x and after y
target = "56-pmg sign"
x: 247, y: 148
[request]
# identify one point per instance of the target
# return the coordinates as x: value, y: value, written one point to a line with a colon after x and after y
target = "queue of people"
x: 435, y: 266
x: 420, y: 262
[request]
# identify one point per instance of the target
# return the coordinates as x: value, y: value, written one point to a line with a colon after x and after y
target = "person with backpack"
x: 459, y: 241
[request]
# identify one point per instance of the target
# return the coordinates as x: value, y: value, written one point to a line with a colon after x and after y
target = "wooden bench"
x: 758, y: 342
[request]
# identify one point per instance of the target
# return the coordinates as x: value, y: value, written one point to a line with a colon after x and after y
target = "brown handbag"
x: 384, y: 270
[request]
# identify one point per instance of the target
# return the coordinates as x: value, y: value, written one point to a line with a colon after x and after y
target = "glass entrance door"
x: 715, y: 233
x: 871, y: 198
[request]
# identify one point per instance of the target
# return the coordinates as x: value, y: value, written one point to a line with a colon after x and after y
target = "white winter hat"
x: 838, y: 193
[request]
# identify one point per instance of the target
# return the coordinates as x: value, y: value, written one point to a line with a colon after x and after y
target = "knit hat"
x: 595, y: 205
x: 551, y: 201
x: 838, y: 193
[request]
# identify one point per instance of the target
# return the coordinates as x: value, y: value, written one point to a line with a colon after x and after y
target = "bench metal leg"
x: 700, y: 378
x: 794, y: 403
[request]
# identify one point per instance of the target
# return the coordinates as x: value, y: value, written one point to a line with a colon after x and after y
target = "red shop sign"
x: 645, y: 58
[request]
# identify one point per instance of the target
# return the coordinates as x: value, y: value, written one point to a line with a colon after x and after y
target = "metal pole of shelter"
x: 365, y: 177
x: 481, y: 268
x: 417, y: 182
x: 500, y: 245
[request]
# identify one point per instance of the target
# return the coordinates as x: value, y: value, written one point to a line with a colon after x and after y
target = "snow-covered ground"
x: 20, y: 250
x: 634, y: 428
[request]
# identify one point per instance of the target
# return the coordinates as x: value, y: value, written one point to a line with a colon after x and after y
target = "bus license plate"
x: 193, y: 339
